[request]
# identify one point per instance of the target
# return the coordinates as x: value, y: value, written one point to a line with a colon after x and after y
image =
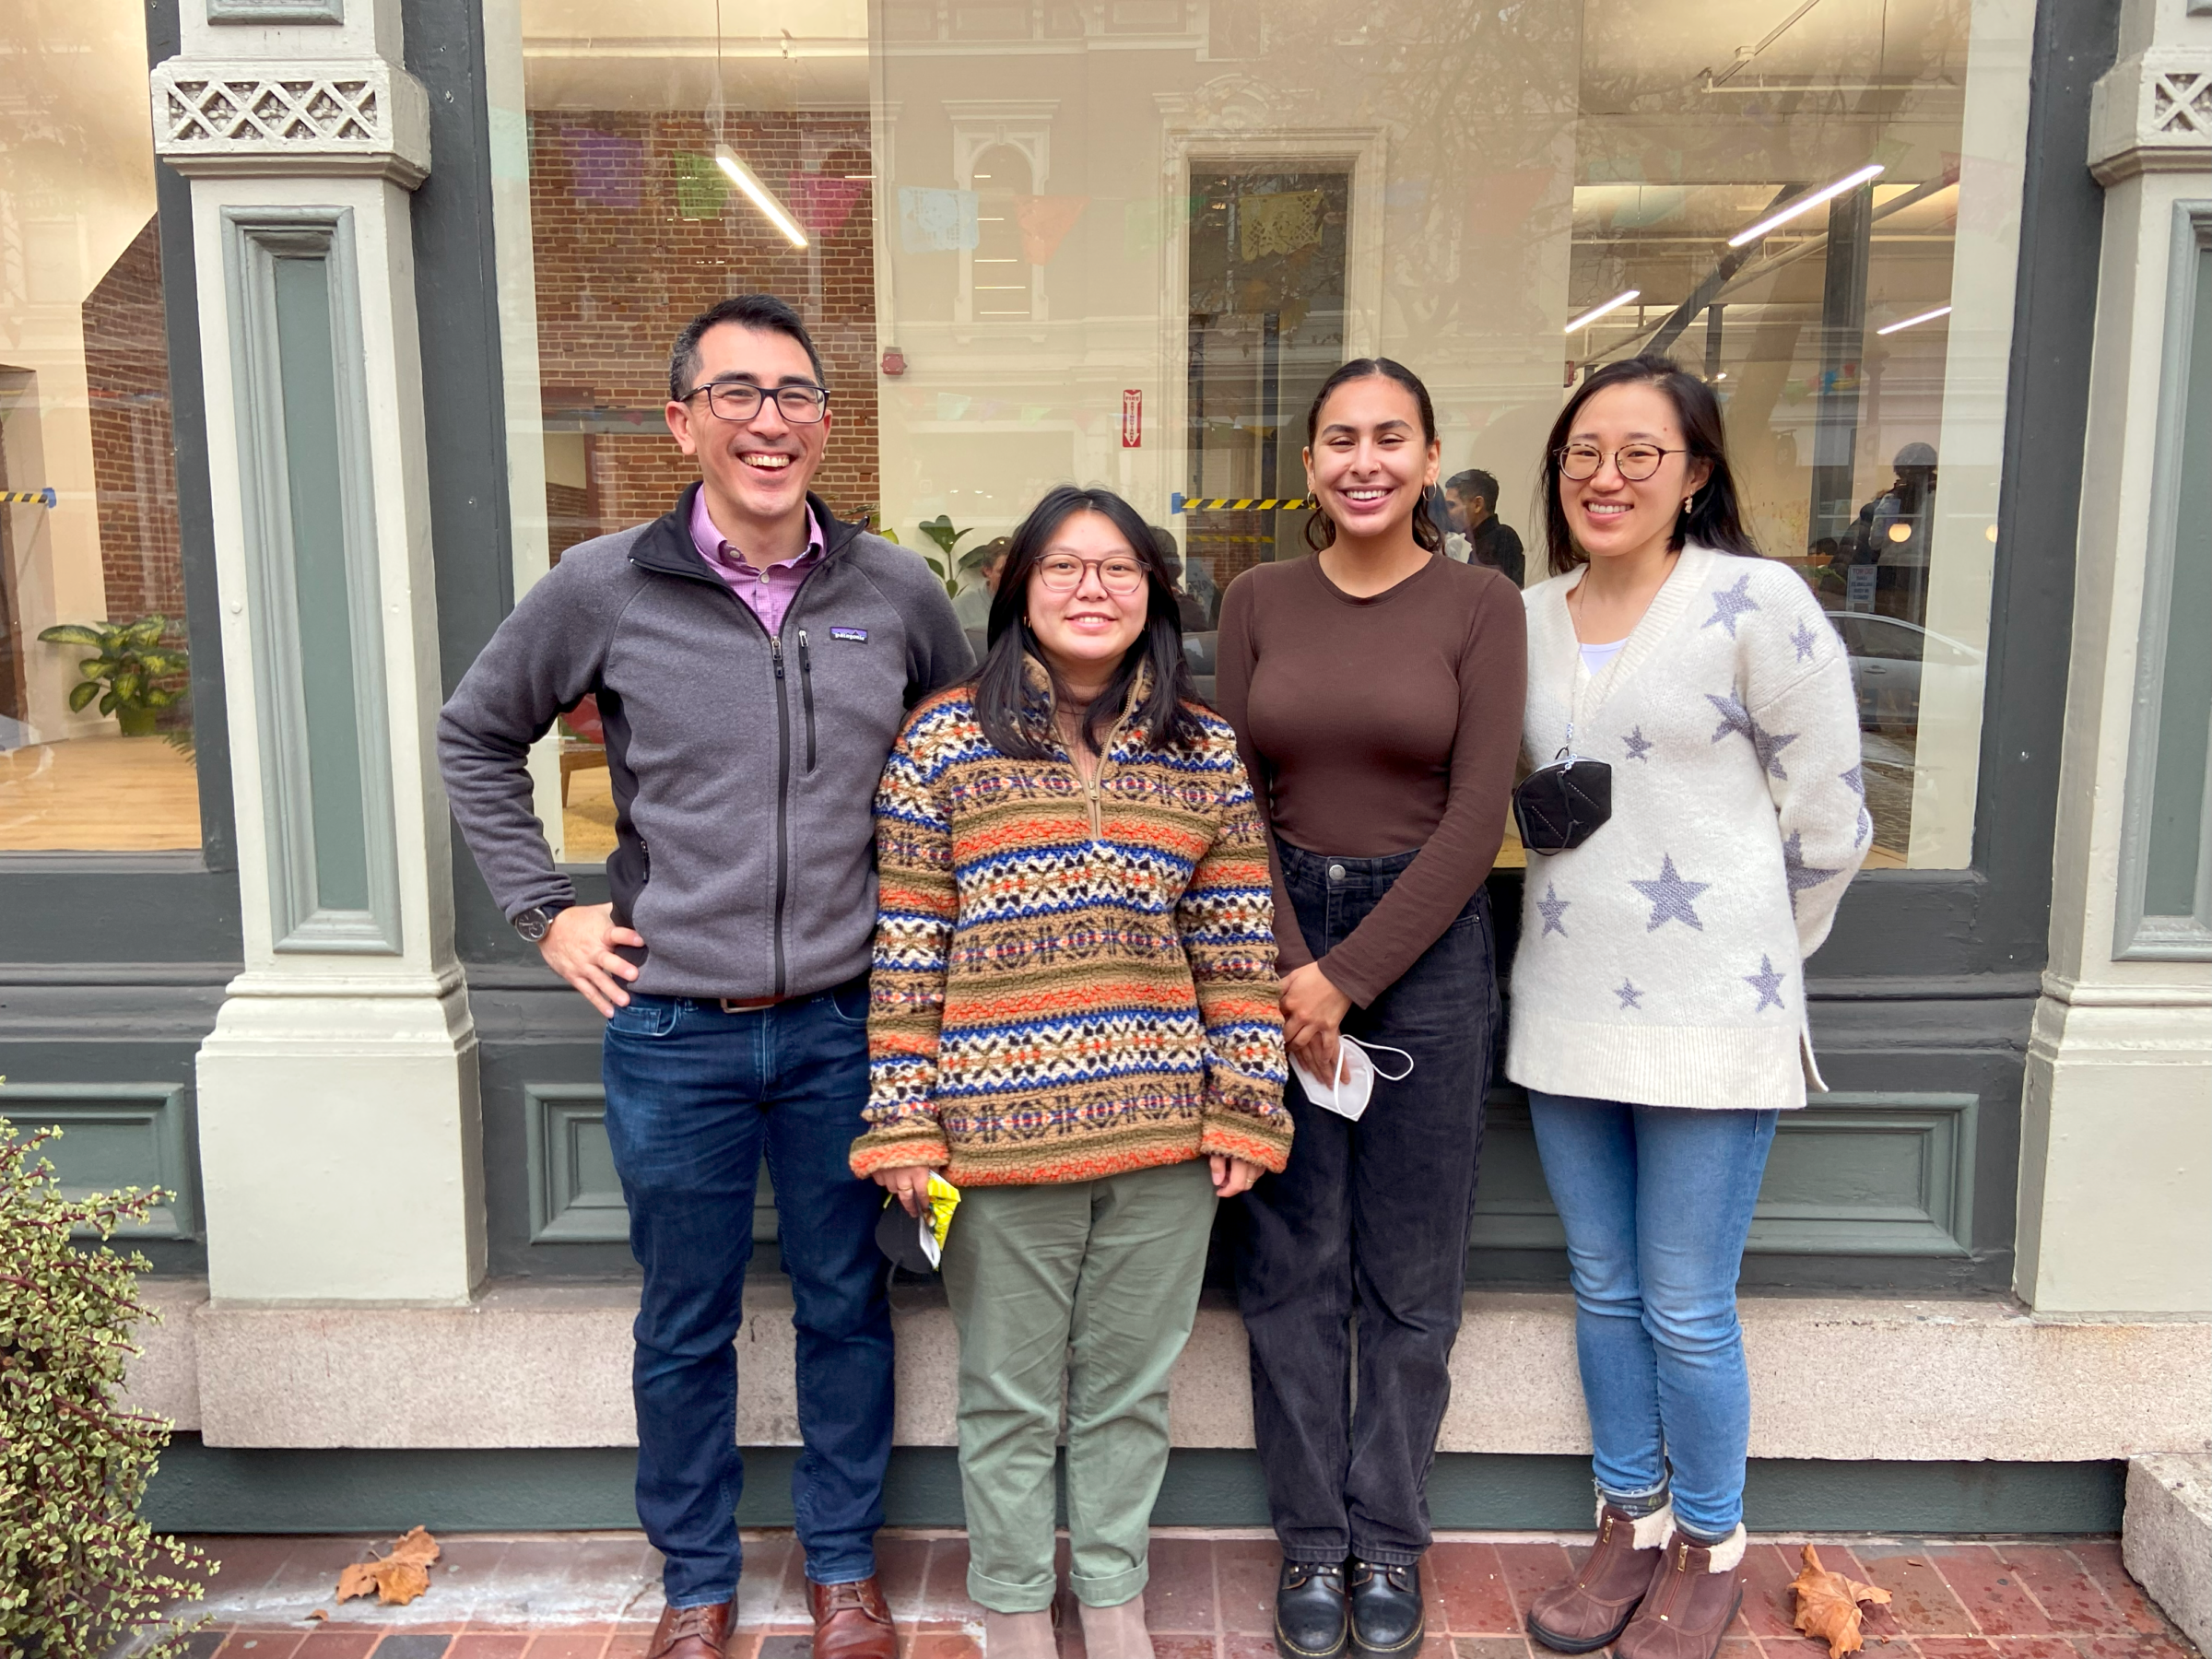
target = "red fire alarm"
x: 1133, y: 418
x: 894, y: 361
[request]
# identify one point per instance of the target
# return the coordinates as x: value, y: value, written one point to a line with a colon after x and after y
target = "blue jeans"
x: 1657, y: 1203
x: 694, y: 1096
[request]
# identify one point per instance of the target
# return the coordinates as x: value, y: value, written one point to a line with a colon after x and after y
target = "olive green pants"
x: 1092, y: 1285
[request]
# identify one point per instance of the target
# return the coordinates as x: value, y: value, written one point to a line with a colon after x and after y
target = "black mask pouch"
x: 1563, y: 804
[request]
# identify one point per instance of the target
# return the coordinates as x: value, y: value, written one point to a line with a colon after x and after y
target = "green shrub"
x: 79, y: 1569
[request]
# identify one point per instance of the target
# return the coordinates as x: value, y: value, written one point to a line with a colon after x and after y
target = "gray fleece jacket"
x: 744, y: 768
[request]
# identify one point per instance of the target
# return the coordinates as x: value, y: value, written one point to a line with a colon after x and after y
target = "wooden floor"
x: 99, y: 795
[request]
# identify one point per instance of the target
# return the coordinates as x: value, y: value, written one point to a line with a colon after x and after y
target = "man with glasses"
x: 752, y: 659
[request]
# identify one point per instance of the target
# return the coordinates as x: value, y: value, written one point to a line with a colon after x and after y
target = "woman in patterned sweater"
x: 1073, y: 1016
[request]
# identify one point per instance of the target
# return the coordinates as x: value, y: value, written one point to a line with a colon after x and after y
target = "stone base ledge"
x: 2167, y: 1539
x: 538, y: 1365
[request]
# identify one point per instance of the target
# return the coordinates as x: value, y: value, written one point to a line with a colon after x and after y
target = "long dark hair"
x: 1321, y: 529
x: 1713, y: 517
x: 1002, y: 692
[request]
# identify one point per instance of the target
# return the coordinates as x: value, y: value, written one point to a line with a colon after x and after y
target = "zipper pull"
x: 775, y: 652
x: 804, y: 667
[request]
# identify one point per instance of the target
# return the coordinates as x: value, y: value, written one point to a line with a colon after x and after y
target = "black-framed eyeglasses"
x: 740, y: 400
x: 1634, y: 462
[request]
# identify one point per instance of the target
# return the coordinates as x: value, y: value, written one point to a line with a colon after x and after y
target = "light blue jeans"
x: 1657, y: 1203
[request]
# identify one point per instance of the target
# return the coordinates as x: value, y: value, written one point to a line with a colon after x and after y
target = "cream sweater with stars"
x: 1661, y: 960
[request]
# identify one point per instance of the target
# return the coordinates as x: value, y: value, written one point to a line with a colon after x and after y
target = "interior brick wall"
x: 635, y: 235
x: 133, y: 459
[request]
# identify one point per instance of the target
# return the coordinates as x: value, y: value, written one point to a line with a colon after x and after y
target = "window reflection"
x: 1121, y: 242
x: 95, y: 706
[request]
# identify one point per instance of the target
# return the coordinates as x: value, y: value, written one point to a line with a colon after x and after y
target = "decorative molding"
x: 2183, y: 402
x: 2152, y: 112
x: 574, y: 1195
x: 276, y: 11
x: 117, y: 1134
x: 255, y: 118
x: 301, y: 918
x: 1910, y: 1191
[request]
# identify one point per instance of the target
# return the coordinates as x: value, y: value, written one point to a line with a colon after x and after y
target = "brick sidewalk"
x: 596, y: 1596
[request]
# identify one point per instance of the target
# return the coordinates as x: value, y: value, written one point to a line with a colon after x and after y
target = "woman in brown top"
x: 1375, y: 689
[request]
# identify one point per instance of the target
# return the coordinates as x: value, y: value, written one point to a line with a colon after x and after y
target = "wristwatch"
x: 533, y: 922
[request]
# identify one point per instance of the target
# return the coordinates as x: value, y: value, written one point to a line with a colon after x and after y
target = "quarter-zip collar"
x: 1037, y: 682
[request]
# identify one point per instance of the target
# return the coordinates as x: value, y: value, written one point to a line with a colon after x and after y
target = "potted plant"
x: 944, y: 561
x: 127, y: 673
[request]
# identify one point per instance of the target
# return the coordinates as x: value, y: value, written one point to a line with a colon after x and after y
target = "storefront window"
x: 1122, y: 241
x: 91, y: 570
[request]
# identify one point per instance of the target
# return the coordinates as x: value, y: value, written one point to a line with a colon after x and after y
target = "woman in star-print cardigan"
x: 1658, y: 997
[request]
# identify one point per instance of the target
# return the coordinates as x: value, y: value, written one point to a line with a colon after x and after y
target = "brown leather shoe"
x: 1693, y: 1595
x: 851, y: 1621
x: 693, y: 1632
x: 1589, y: 1610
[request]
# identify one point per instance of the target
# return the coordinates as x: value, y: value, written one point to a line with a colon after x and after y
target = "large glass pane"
x: 98, y: 758
x: 1122, y: 241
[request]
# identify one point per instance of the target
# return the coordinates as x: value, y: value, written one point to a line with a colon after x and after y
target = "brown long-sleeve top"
x: 1372, y: 727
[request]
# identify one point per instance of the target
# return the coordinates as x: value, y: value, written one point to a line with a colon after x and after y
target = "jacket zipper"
x: 1094, y: 784
x: 775, y: 652
x: 807, y: 695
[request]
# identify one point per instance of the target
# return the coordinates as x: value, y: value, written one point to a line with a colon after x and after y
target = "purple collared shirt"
x: 769, y: 592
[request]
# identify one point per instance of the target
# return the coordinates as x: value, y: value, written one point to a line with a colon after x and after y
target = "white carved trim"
x: 2152, y: 112
x: 315, y: 119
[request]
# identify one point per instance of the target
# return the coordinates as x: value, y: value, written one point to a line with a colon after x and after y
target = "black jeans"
x: 1367, y: 1230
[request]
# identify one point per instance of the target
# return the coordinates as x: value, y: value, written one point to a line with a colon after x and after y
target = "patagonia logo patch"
x: 859, y: 635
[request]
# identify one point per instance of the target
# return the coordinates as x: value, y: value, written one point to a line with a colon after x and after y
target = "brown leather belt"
x: 748, y: 1005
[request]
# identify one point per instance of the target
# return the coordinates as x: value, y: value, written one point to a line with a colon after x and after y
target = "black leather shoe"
x: 1386, y: 1609
x: 1310, y: 1620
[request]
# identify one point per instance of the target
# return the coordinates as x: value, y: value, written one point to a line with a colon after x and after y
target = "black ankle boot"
x: 1310, y: 1620
x: 1386, y: 1609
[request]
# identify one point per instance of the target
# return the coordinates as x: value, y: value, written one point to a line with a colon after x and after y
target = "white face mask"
x: 1356, y: 1076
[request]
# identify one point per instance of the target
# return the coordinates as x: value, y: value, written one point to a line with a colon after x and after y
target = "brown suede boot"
x: 1694, y: 1592
x: 1595, y: 1605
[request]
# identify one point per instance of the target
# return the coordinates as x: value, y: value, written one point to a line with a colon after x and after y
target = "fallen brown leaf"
x: 1827, y: 1606
x: 319, y: 1615
x: 396, y: 1578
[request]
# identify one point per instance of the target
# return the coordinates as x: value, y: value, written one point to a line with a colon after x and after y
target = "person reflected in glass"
x: 1376, y: 692
x: 1471, y: 498
x: 1074, y: 1016
x: 971, y: 604
x: 1658, y: 1019
x: 1891, y: 534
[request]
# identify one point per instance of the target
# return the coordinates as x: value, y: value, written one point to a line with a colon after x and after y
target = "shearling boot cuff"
x: 1728, y: 1554
x: 1653, y: 1530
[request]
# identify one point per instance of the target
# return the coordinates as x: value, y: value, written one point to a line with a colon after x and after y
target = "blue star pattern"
x: 1799, y: 874
x: 1856, y: 780
x: 1768, y: 745
x: 1640, y: 747
x: 1671, y: 897
x: 1805, y: 639
x: 1554, y: 908
x: 1728, y: 603
x: 1629, y: 996
x: 1767, y: 982
x: 1734, y: 717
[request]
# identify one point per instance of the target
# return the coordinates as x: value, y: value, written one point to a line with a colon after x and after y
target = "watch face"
x: 531, y: 924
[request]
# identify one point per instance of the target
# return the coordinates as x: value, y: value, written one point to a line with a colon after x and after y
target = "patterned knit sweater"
x: 1071, y: 981
x: 1661, y: 960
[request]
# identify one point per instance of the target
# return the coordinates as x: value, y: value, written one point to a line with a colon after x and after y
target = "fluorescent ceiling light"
x: 1805, y: 203
x: 759, y: 194
x: 1594, y: 312
x: 1928, y: 316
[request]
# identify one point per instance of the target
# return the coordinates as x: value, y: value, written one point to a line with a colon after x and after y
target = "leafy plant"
x: 127, y: 673
x: 79, y: 1569
x: 945, y: 560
